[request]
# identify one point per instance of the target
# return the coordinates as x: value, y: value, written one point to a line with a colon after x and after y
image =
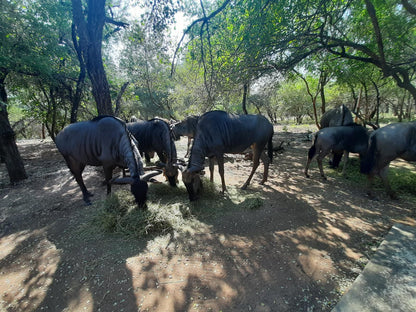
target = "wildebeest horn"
x: 160, y: 164
x: 180, y: 162
x: 182, y: 168
x: 146, y: 177
x: 129, y: 180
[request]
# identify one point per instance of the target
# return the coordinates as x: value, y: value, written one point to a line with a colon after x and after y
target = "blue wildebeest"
x: 338, y: 116
x: 186, y: 127
x: 347, y: 139
x: 219, y: 132
x: 335, y: 117
x: 103, y: 141
x: 155, y: 136
x: 396, y: 140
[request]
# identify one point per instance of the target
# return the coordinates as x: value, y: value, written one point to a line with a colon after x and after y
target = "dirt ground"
x: 300, y: 251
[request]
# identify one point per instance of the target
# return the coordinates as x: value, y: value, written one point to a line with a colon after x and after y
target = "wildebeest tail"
x: 368, y: 160
x: 312, y: 150
x: 270, y: 148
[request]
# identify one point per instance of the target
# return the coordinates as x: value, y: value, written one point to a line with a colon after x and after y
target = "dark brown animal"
x: 103, y: 141
x: 219, y: 132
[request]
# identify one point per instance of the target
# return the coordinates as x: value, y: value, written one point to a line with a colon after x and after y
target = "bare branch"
x: 189, y: 28
x: 117, y: 23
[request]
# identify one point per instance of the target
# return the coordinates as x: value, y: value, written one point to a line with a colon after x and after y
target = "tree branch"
x: 204, y: 19
x: 409, y: 7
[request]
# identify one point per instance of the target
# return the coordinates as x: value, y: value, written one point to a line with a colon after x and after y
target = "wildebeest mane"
x: 131, y: 143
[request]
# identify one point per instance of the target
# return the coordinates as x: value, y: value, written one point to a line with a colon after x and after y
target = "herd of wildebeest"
x: 110, y: 142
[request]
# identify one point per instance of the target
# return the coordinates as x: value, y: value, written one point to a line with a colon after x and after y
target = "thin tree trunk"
x: 119, y: 96
x: 76, y: 100
x: 10, y: 153
x: 245, y: 94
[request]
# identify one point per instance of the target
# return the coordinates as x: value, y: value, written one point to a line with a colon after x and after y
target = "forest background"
x: 64, y: 61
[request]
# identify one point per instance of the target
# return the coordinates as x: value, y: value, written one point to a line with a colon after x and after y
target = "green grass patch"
x: 169, y: 210
x: 402, y: 180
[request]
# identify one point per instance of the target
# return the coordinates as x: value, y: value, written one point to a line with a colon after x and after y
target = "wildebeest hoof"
x: 307, y: 175
x: 324, y: 178
x: 88, y: 203
x: 244, y: 187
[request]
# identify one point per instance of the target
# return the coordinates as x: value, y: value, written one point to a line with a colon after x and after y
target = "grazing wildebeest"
x: 338, y: 116
x: 186, y: 127
x: 396, y: 140
x: 103, y: 141
x: 350, y: 139
x: 219, y: 132
x: 155, y: 136
x: 335, y: 117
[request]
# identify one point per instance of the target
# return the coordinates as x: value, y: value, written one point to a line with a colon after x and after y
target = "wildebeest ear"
x: 146, y: 177
x: 125, y: 180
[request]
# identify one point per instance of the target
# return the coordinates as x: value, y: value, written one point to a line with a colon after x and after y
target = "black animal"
x: 396, y: 140
x: 186, y: 127
x: 103, y: 141
x: 219, y: 132
x: 347, y: 139
x: 155, y: 136
x: 338, y: 116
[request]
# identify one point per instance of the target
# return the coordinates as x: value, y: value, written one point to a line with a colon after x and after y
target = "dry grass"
x: 169, y: 210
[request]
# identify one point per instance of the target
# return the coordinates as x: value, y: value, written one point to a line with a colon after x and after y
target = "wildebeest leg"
x: 108, y: 173
x: 162, y: 157
x: 266, y: 162
x: 383, y: 175
x: 256, y: 162
x: 319, y: 159
x: 307, y: 166
x: 76, y: 170
x: 370, y: 179
x: 336, y: 159
x: 346, y: 154
x: 211, y: 169
x: 220, y: 160
x: 311, y: 155
x: 188, y: 147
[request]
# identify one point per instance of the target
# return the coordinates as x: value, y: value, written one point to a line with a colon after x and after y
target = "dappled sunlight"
x: 167, y: 283
x: 317, y: 264
x: 81, y: 301
x: 28, y: 265
x: 293, y: 244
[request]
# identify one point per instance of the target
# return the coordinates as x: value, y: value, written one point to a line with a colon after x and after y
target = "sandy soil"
x: 299, y: 252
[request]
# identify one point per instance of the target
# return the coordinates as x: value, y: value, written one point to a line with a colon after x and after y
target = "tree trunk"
x: 76, y: 99
x: 245, y: 94
x: 10, y: 153
x: 90, y: 34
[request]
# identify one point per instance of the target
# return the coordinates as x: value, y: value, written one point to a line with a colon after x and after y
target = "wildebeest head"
x: 139, y: 190
x: 193, y: 183
x: 171, y: 173
x: 138, y: 187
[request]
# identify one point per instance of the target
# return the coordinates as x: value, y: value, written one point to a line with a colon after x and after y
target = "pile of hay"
x: 169, y: 210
